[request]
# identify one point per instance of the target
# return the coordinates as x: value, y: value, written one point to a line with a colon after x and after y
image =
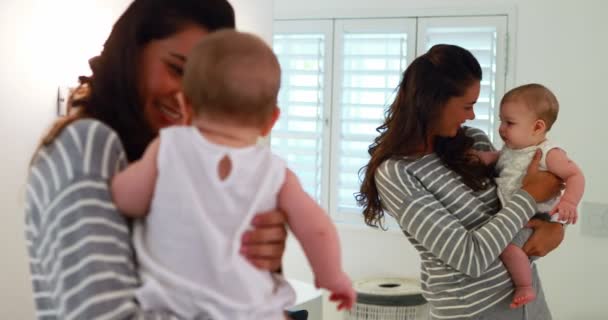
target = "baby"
x: 199, y: 187
x: 527, y: 113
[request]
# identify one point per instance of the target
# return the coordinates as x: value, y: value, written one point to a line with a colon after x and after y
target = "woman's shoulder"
x: 475, y: 133
x: 85, y: 146
x: 83, y: 127
x: 399, y: 162
x: 481, y: 140
x: 400, y: 166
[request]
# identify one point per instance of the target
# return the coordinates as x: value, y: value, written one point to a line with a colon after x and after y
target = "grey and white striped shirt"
x: 459, y: 233
x: 81, y: 258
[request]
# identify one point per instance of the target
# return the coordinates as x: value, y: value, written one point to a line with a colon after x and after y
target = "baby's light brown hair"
x: 537, y: 98
x: 233, y: 76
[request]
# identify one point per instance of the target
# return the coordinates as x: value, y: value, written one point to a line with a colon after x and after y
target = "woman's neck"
x: 426, y: 148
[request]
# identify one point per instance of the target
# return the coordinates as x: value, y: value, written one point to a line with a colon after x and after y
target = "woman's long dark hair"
x: 445, y: 71
x: 112, y: 92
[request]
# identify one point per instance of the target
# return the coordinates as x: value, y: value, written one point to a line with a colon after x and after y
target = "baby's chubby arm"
x: 319, y: 239
x: 559, y: 164
x: 133, y: 188
x: 487, y: 157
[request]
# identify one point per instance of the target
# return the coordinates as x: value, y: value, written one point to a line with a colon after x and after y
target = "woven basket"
x: 388, y: 299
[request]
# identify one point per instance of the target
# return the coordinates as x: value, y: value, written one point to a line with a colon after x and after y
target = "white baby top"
x: 188, y: 246
x: 512, y: 166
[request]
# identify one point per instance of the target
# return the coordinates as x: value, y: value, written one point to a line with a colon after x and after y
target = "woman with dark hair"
x: 81, y: 259
x: 423, y: 172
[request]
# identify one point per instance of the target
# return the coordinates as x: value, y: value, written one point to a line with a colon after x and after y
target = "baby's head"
x: 233, y: 77
x: 527, y: 113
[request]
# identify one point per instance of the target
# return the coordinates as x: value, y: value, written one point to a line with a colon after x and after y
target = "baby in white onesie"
x: 526, y: 115
x: 200, y: 186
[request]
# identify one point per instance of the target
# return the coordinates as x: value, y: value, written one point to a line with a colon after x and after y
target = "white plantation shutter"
x: 370, y: 58
x: 300, y: 136
x: 338, y: 78
x: 485, y: 37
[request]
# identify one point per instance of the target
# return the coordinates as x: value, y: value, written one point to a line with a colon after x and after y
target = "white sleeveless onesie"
x: 188, y: 246
x: 512, y: 166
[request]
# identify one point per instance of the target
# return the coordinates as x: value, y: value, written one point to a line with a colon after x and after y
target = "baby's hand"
x: 486, y: 157
x: 341, y: 290
x: 566, y: 210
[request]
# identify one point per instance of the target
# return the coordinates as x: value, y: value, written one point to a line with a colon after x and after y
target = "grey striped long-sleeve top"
x: 459, y: 233
x: 81, y: 258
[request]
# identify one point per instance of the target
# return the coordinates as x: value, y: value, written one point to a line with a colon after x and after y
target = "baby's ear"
x: 185, y: 108
x: 540, y: 126
x: 271, y: 121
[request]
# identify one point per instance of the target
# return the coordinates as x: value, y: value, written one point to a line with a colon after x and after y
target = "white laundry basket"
x: 388, y: 299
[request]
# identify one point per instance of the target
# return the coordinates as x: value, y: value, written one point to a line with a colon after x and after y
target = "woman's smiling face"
x: 160, y: 73
x: 456, y: 111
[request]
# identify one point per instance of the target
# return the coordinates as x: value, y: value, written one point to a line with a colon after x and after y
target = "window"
x: 370, y: 56
x: 301, y: 135
x: 485, y: 37
x: 340, y: 75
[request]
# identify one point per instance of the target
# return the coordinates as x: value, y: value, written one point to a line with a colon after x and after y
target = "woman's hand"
x: 546, y: 237
x: 264, y: 245
x: 541, y: 185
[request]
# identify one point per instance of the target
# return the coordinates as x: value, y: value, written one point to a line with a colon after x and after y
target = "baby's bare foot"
x: 523, y: 295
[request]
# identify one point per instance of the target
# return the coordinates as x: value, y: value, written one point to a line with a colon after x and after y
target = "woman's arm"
x: 86, y: 258
x: 432, y: 225
x: 547, y: 236
x: 426, y: 219
x: 81, y: 259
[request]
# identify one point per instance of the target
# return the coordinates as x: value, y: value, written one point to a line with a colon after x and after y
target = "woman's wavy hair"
x: 445, y: 71
x: 111, y: 92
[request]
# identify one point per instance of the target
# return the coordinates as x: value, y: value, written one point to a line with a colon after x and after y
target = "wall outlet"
x: 594, y: 219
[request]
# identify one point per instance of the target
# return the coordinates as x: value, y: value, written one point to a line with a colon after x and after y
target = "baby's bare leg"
x: 517, y: 263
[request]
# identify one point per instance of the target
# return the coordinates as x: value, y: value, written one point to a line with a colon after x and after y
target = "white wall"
x: 254, y: 16
x: 559, y: 43
x: 41, y: 43
x: 43, y: 46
